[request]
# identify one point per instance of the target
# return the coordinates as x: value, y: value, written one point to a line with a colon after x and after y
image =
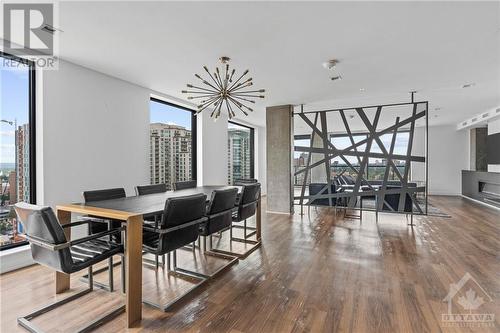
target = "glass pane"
x: 300, y: 161
x: 15, y: 152
x: 170, y: 144
x: 239, y: 152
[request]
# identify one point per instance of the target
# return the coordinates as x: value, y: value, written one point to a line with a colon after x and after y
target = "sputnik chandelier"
x: 222, y: 91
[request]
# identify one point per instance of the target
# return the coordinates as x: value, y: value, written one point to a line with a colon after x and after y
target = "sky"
x: 163, y: 113
x: 14, y: 100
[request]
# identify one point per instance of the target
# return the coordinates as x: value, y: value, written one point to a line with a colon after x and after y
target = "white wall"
x: 95, y: 133
x: 493, y: 128
x: 448, y: 156
x: 212, y: 149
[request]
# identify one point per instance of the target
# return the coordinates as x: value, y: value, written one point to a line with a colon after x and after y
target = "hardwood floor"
x: 323, y: 274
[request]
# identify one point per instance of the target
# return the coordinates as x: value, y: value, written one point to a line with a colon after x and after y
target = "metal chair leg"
x: 25, y: 321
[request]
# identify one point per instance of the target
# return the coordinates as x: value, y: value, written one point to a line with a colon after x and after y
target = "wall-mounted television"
x: 493, y: 149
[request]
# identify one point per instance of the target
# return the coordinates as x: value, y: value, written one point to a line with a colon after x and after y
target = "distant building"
x: 22, y: 164
x: 238, y: 150
x: 12, y: 188
x: 170, y: 154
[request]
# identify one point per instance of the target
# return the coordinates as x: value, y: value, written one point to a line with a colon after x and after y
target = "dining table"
x: 131, y: 210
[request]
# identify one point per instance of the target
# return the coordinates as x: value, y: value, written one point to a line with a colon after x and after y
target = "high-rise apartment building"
x: 170, y: 154
x: 22, y: 163
x: 239, y: 159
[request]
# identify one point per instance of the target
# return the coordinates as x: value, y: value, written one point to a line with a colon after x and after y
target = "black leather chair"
x: 246, y: 206
x: 219, y: 213
x: 97, y: 225
x: 50, y: 248
x: 151, y: 189
x: 184, y: 185
x: 152, y: 220
x: 179, y: 226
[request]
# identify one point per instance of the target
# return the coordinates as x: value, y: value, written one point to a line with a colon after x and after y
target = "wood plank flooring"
x: 318, y: 274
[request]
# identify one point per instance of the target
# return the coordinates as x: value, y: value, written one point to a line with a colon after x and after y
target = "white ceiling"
x: 387, y: 48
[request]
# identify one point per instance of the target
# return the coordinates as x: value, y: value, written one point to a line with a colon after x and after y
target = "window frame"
x: 194, y: 149
x: 32, y: 130
x: 252, y: 146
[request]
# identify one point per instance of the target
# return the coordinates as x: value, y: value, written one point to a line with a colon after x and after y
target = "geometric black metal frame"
x: 362, y: 187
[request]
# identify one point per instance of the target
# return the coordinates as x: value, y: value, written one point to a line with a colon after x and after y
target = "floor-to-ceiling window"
x: 172, y: 137
x: 17, y: 127
x: 240, y: 162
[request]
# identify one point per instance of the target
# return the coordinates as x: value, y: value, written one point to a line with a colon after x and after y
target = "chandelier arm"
x: 216, y: 83
x: 238, y: 104
x: 217, y: 114
x: 232, y: 73
x: 217, y: 76
x: 232, y: 111
x: 202, y: 96
x: 199, y: 92
x: 207, y: 105
x: 243, y: 105
x: 242, y: 85
x: 209, y: 101
x: 251, y: 91
x: 228, y: 109
x: 206, y: 82
x: 201, y: 88
x: 255, y: 96
x: 235, y: 82
x: 244, y: 99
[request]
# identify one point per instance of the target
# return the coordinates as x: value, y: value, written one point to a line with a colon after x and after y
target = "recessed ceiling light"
x: 339, y: 77
x: 468, y: 85
x: 437, y: 109
x: 330, y: 64
x: 361, y: 89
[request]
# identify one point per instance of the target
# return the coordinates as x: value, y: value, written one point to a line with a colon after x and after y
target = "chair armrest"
x: 57, y: 247
x: 98, y: 235
x: 177, y: 227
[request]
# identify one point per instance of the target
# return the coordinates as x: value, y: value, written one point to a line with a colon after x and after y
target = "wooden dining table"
x: 131, y: 210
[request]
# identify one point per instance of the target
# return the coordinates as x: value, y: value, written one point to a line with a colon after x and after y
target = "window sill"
x: 15, y: 258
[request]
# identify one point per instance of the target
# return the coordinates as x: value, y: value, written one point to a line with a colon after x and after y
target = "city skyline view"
x: 14, y: 152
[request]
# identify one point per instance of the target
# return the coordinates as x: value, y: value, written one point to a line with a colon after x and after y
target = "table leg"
x: 258, y: 219
x: 62, y: 279
x: 133, y: 260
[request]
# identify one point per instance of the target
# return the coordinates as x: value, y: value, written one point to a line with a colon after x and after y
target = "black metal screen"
x: 370, y: 134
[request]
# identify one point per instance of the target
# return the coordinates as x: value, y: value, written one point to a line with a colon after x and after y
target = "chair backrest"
x: 179, y: 211
x: 316, y: 188
x: 107, y: 194
x: 391, y: 201
x: 248, y: 201
x: 184, y: 185
x: 40, y: 223
x: 220, y: 211
x: 243, y: 181
x: 222, y: 200
x: 150, y: 189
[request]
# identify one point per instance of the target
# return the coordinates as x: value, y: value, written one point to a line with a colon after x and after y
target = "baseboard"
x: 15, y: 258
x: 452, y: 194
x: 282, y: 213
x: 480, y: 202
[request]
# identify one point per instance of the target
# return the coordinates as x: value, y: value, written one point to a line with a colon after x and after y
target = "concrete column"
x: 279, y: 133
